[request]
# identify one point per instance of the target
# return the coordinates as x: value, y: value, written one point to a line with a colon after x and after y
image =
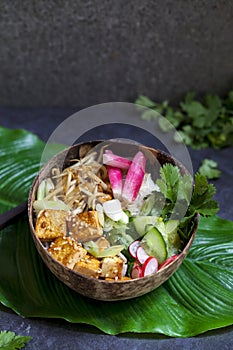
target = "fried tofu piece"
x: 51, y: 224
x: 85, y: 226
x: 89, y: 266
x: 67, y: 251
x: 112, y: 267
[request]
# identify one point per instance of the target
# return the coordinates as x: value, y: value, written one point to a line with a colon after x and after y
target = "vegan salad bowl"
x: 112, y: 219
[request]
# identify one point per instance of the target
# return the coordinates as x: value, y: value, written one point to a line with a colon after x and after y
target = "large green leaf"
x: 197, y: 298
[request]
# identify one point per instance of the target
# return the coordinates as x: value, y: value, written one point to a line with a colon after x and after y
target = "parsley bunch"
x: 11, y: 341
x: 180, y: 195
x: 201, y: 124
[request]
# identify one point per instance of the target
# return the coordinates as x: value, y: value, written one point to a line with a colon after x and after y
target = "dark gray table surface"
x: 59, y: 334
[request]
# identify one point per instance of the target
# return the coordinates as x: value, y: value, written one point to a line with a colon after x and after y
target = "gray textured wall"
x: 79, y: 53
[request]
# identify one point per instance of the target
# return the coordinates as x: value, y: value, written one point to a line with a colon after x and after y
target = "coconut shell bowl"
x: 63, y: 241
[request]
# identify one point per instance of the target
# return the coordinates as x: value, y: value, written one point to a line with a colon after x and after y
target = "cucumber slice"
x: 154, y: 244
x: 141, y: 222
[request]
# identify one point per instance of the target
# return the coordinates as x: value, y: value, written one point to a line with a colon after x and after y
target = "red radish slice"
x: 150, y: 266
x: 115, y: 178
x: 134, y: 177
x: 133, y: 248
x: 136, y: 271
x: 109, y: 158
x: 142, y: 256
x: 168, y: 261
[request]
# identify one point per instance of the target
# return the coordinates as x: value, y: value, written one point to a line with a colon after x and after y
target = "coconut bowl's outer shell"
x: 92, y: 287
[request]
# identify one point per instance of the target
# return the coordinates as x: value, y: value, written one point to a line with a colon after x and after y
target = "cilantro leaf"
x: 185, y: 188
x: 145, y: 101
x: 209, y: 169
x: 213, y: 103
x: 174, y: 186
x: 200, y: 123
x: 196, y: 111
x: 184, y: 198
x: 10, y: 341
x: 202, y: 201
x: 169, y: 181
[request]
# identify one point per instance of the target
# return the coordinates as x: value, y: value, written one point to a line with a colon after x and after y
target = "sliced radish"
x: 168, y: 261
x: 141, y: 255
x: 134, y: 177
x: 115, y: 178
x: 150, y: 266
x: 133, y: 248
x: 136, y: 271
x: 109, y: 158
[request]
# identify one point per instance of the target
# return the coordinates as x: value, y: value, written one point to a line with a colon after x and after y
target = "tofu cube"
x: 112, y: 267
x: 89, y: 266
x: 67, y: 251
x: 85, y: 226
x: 51, y: 224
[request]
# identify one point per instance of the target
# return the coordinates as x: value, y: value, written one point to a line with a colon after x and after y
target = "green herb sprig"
x: 209, y: 168
x: 11, y: 341
x: 201, y: 124
x: 181, y: 195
